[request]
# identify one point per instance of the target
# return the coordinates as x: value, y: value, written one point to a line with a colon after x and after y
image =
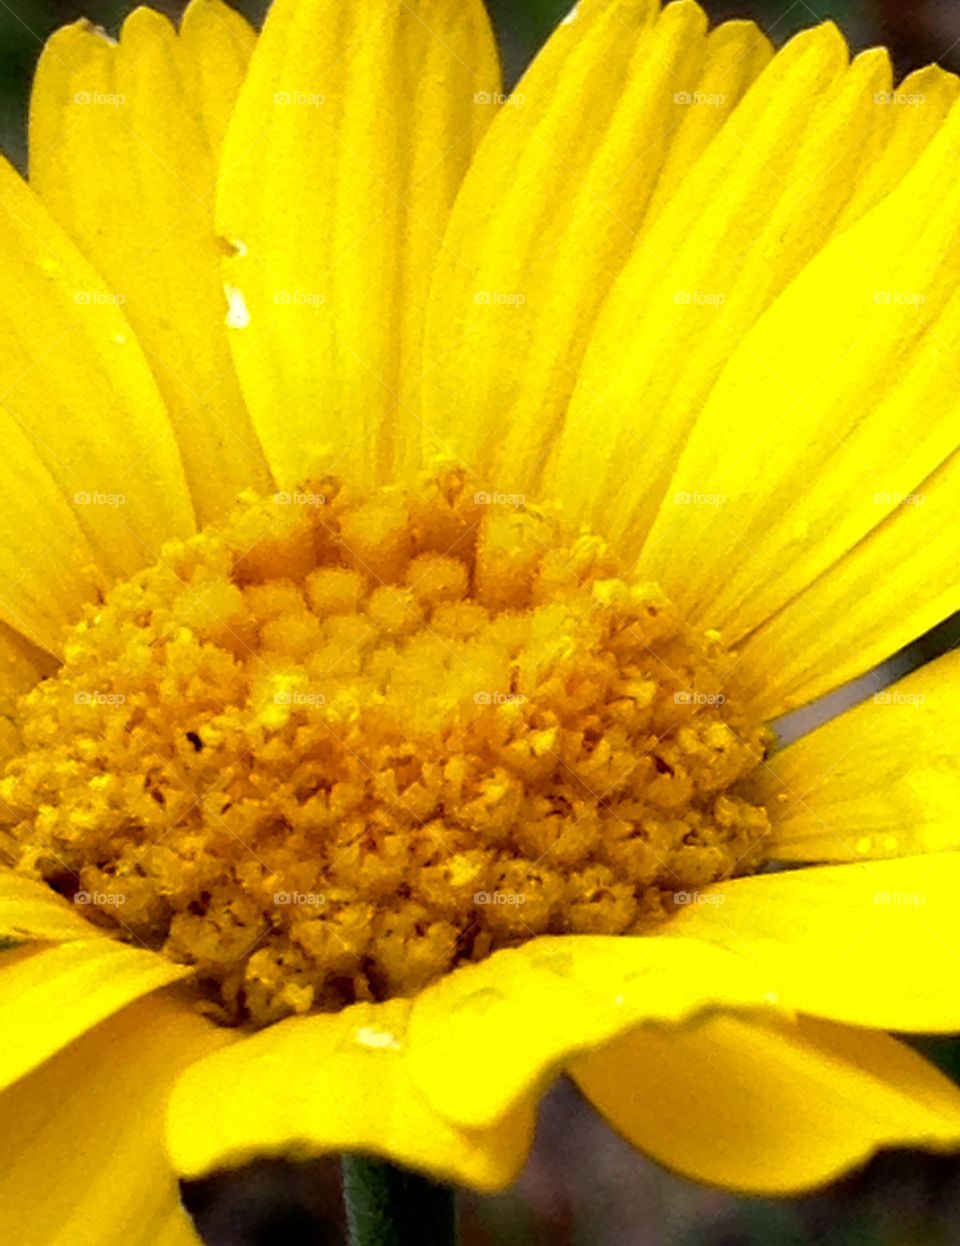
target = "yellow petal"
x: 30, y: 910
x: 332, y: 1082
x: 875, y: 943
x: 348, y: 143
x: 896, y: 584
x: 215, y: 47
x: 882, y: 780
x: 50, y: 996
x: 120, y: 154
x: 799, y: 452
x: 769, y: 1107
x: 919, y: 105
x: 730, y: 238
x: 519, y: 1015
x: 81, y: 1139
x: 21, y: 666
x: 75, y: 380
x: 550, y: 210
x: 46, y: 564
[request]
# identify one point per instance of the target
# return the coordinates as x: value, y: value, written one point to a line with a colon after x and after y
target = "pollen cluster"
x: 349, y: 740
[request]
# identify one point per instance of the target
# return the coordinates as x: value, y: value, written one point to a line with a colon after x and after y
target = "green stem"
x: 388, y: 1206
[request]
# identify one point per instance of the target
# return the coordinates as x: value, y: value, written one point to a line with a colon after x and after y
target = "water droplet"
x: 120, y: 339
x: 891, y: 844
x: 864, y: 845
x: 238, y: 314
x: 376, y: 1038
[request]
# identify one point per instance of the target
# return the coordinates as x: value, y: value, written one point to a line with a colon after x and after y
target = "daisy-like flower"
x: 388, y: 648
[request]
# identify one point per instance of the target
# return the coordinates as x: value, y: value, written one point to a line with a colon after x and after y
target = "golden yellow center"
x: 329, y: 751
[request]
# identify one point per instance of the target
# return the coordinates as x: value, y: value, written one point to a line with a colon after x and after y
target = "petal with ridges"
x: 81, y: 1144
x: 769, y: 1107
x: 51, y: 996
x: 875, y: 943
x: 22, y: 665
x: 520, y: 1014
x: 332, y: 1082
x: 813, y: 403
x: 348, y: 143
x: 46, y: 564
x: 896, y: 584
x: 120, y: 156
x: 719, y: 252
x: 215, y: 47
x: 75, y: 380
x: 881, y: 780
x: 547, y: 215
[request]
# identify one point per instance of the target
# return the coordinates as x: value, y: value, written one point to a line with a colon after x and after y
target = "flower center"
x: 345, y: 742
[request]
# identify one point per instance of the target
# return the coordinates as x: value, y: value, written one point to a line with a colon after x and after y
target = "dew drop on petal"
x: 238, y: 314
x: 864, y: 845
x: 377, y: 1039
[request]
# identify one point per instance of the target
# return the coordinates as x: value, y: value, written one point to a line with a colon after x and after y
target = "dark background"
x: 583, y: 1186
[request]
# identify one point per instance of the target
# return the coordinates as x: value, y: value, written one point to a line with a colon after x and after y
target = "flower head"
x: 420, y: 501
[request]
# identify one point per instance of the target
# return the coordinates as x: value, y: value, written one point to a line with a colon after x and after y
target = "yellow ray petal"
x: 349, y: 140
x: 30, y: 910
x: 520, y: 1014
x: 799, y: 451
x: 733, y: 235
x: 549, y: 212
x: 769, y: 1107
x: 81, y: 1139
x: 882, y: 780
x: 875, y: 943
x: 120, y: 154
x: 920, y: 104
x: 49, y: 997
x: 46, y: 564
x: 899, y: 581
x: 21, y: 666
x: 74, y: 379
x: 333, y: 1082
x: 215, y: 47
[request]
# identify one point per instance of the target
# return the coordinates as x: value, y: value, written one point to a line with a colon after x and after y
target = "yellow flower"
x: 387, y: 647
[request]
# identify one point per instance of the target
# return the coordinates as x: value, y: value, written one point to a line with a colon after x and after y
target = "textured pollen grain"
x: 345, y: 742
